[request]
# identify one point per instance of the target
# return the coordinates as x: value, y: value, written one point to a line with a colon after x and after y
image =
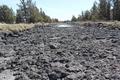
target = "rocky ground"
x: 56, y: 53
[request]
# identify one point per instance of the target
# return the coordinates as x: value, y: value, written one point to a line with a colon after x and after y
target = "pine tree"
x: 94, y: 12
x: 103, y: 9
x: 116, y: 10
x: 87, y: 15
x: 6, y: 14
x: 73, y: 19
x: 28, y: 12
x: 108, y: 9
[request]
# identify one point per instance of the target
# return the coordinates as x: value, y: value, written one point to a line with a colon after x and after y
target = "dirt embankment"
x: 55, y: 53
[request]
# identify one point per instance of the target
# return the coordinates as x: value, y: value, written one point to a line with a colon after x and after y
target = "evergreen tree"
x: 6, y: 14
x: 103, y: 9
x: 79, y: 18
x: 28, y: 12
x: 23, y: 9
x: 44, y: 17
x: 108, y: 9
x: 116, y: 10
x: 73, y: 19
x: 94, y: 12
x: 87, y: 15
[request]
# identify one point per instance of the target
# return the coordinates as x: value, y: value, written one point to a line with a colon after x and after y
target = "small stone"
x: 74, y: 68
x: 75, y: 76
x: 67, y: 66
x: 53, y: 45
x: 84, y: 38
x: 60, y: 53
x: 7, y: 75
x: 111, y: 57
x: 114, y: 41
x: 53, y: 76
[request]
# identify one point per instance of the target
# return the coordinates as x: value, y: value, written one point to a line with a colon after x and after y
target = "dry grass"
x: 105, y: 23
x: 113, y: 24
x: 15, y: 27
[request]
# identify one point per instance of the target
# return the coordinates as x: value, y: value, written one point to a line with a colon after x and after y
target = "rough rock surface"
x: 55, y: 53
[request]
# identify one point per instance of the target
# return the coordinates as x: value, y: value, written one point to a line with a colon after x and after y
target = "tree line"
x: 103, y: 10
x: 28, y: 12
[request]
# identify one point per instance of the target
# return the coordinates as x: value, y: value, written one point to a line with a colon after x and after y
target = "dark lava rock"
x: 75, y: 76
x: 84, y: 38
x: 74, y: 67
x: 78, y: 53
x: 53, y: 45
x: 57, y: 74
x: 98, y: 38
x: 114, y: 40
x: 53, y: 76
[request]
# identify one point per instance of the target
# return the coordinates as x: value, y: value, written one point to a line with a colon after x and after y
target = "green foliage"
x: 87, y: 15
x: 28, y: 12
x: 99, y: 11
x: 94, y: 12
x: 55, y: 20
x: 73, y: 19
x: 116, y: 9
x: 6, y: 14
x: 44, y: 17
x: 34, y: 14
x: 79, y: 18
x: 103, y: 9
x: 109, y: 9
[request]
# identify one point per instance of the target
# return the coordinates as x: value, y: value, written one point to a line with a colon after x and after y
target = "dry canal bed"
x: 60, y: 53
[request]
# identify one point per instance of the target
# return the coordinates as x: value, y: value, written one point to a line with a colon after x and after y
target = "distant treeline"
x: 28, y: 12
x: 103, y: 10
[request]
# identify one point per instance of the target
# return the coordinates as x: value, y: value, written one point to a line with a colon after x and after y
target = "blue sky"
x: 61, y: 9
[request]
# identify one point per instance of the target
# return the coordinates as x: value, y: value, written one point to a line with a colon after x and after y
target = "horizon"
x: 62, y: 10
